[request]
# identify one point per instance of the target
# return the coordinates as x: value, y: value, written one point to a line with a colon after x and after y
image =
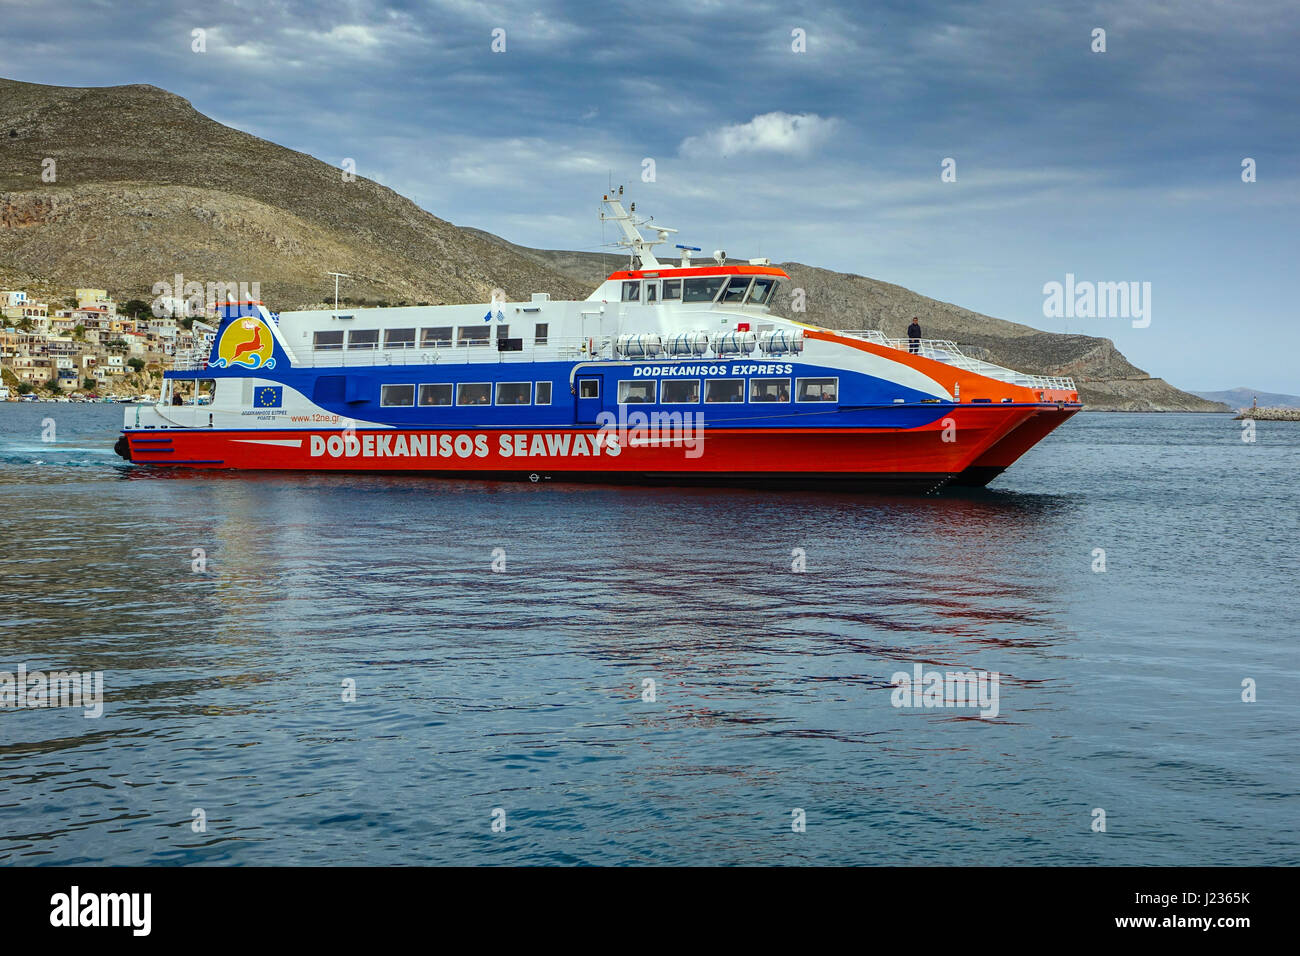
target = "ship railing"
x: 948, y: 352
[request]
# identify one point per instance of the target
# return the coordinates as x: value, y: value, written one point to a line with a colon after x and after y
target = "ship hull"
x: 919, y: 458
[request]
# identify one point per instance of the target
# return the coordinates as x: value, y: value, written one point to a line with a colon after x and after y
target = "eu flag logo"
x: 269, y: 396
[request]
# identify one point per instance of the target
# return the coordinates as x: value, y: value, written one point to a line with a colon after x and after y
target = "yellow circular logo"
x: 246, y: 343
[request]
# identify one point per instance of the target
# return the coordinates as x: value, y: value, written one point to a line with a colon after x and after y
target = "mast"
x: 640, y: 247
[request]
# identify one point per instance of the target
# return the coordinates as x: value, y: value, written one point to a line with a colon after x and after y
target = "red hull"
x: 926, y: 455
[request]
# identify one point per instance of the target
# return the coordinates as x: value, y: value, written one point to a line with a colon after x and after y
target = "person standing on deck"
x: 914, y: 336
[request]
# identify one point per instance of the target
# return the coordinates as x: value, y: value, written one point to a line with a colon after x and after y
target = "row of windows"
x: 466, y: 393
x: 331, y: 340
x: 734, y: 290
x: 716, y: 390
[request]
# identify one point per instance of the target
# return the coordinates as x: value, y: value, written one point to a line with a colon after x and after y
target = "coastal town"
x: 89, y: 348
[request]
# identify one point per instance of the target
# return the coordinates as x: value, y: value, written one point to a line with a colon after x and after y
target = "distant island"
x: 1242, y: 398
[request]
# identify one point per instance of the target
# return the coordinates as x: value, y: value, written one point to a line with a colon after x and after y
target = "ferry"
x: 668, y: 372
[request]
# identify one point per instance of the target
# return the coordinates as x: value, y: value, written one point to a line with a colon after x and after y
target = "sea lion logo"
x: 246, y: 343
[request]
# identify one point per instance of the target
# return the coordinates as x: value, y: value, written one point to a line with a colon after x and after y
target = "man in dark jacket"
x: 914, y: 336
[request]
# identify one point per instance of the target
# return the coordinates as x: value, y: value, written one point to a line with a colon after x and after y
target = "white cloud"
x: 778, y: 132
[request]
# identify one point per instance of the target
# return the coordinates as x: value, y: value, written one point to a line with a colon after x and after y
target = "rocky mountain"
x: 145, y: 187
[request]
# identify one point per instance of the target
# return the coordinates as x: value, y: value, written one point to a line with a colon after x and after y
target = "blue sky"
x: 1115, y: 166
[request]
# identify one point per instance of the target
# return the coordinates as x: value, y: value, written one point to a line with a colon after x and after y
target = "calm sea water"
x: 523, y: 690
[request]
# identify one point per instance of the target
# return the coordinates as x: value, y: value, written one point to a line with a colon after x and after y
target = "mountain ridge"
x: 147, y: 187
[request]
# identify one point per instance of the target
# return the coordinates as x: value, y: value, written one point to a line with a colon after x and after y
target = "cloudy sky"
x: 1122, y: 165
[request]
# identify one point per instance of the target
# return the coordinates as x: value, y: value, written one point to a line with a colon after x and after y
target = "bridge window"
x: 514, y: 393
x: 390, y: 395
x: 543, y: 393
x: 677, y: 391
x: 435, y: 394
x: 651, y: 293
x: 769, y: 390
x: 327, y: 341
x: 672, y: 290
x: 363, y: 339
x: 762, y: 289
x: 817, y: 389
x: 631, y: 291
x: 540, y: 331
x: 736, y: 289
x: 438, y: 337
x: 474, y: 393
x: 724, y: 390
x: 704, y: 289
x: 473, y: 334
x: 634, y: 392
x: 399, y: 338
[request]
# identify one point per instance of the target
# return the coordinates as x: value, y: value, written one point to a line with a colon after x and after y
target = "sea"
x: 342, y: 670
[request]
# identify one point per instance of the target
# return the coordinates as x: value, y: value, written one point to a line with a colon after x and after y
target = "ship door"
x: 589, y: 398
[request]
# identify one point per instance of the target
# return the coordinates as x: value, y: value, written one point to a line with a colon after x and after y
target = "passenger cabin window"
x: 678, y: 391
x: 363, y: 338
x: 474, y: 393
x: 399, y: 338
x: 736, y: 289
x: 704, y: 289
x: 761, y: 291
x: 435, y: 394
x: 672, y: 290
x: 514, y: 393
x: 539, y: 333
x: 817, y: 389
x: 436, y: 338
x: 390, y: 395
x: 473, y: 335
x: 631, y: 291
x: 636, y: 392
x: 724, y: 390
x: 543, y: 393
x: 769, y: 390
x: 327, y: 341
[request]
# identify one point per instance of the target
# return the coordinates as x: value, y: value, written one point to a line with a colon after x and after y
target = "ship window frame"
x: 627, y: 287
x: 383, y: 393
x: 768, y: 380
x: 650, y: 292
x: 541, y: 332
x: 390, y: 344
x: 497, y: 393
x: 744, y: 294
x: 583, y: 383
x: 771, y: 281
x: 473, y: 341
x: 718, y: 381
x: 427, y: 341
x: 663, y: 391
x: 624, y: 387
x: 537, y: 393
x: 798, y: 389
x: 316, y: 345
x: 720, y: 279
x: 664, y: 296
x: 462, y: 385
x: 419, y: 394
x: 363, y: 346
